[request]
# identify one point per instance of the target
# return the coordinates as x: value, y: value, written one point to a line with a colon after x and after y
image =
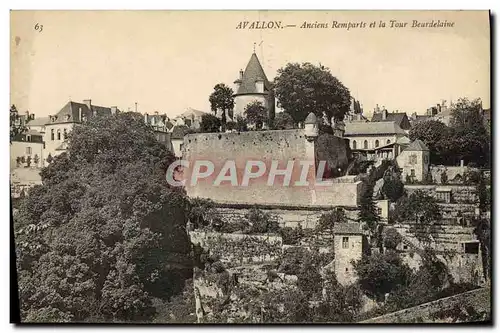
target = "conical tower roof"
x: 253, y: 72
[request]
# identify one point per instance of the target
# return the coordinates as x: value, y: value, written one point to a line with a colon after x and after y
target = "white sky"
x: 168, y: 61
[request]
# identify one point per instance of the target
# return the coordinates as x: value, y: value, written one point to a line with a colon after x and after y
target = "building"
x: 59, y: 125
x: 192, y: 118
x: 399, y: 118
x: 374, y: 140
x: 253, y: 85
x: 27, y: 150
x: 348, y: 248
x: 414, y: 162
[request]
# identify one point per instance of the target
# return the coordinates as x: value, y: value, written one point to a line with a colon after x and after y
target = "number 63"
x: 38, y: 27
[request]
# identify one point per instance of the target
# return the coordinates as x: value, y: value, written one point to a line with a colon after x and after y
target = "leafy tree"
x: 419, y: 208
x: 49, y: 158
x: 328, y: 220
x: 16, y: 125
x: 470, y: 140
x: 436, y: 136
x: 340, y: 304
x: 291, y: 236
x: 180, y: 308
x: 381, y: 273
x: 393, y: 187
x: 105, y: 233
x: 18, y: 161
x: 290, y: 305
x: 256, y: 113
x: 283, y: 121
x: 304, y: 88
x: 222, y: 100
x: 392, y: 239
x: 261, y: 222
x: 200, y: 212
x: 210, y: 123
x: 309, y: 276
x: 36, y: 159
x: 241, y: 124
x: 482, y: 230
x: 28, y: 161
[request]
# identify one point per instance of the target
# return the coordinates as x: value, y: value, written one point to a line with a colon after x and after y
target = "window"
x: 52, y: 134
x: 471, y: 248
x: 28, y: 150
x: 65, y: 134
x: 376, y: 143
x: 365, y: 144
x: 353, y: 144
x: 28, y: 138
x: 58, y: 134
x: 412, y: 172
x: 388, y: 141
x: 345, y: 242
x: 347, y: 269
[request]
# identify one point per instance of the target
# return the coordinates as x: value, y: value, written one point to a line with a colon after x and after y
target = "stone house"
x: 414, y: 161
x: 348, y: 247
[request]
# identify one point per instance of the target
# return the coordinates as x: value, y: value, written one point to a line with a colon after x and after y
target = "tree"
x: 436, y: 136
x: 381, y: 273
x: 28, y: 161
x: 392, y: 239
x: 105, y: 233
x: 16, y: 124
x: 49, y: 158
x: 261, y: 222
x: 36, y: 159
x: 328, y: 220
x: 210, y: 123
x: 241, y: 124
x: 222, y: 100
x: 18, y: 161
x: 304, y: 88
x: 470, y: 140
x: 419, y: 208
x: 368, y: 212
x: 393, y: 187
x: 256, y: 114
x: 283, y: 121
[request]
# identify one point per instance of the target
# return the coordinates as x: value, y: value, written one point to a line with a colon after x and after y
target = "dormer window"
x: 68, y: 117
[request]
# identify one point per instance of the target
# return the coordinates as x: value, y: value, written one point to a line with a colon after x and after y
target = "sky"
x: 168, y: 61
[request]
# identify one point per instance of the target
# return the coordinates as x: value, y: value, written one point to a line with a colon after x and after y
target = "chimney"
x: 384, y: 114
x: 461, y: 163
x: 377, y: 109
x: 156, y: 113
x: 146, y: 118
x: 113, y: 110
x: 135, y: 106
x: 241, y: 74
x: 438, y: 108
x: 88, y: 102
x: 80, y: 114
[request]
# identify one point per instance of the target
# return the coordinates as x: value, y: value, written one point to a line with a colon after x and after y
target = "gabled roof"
x: 192, y: 112
x: 421, y: 118
x: 372, y: 128
x: 417, y: 145
x: 253, y: 72
x: 349, y: 228
x: 397, y: 117
x: 70, y: 112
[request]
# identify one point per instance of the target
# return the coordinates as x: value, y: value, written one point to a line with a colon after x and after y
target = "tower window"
x: 353, y: 144
x: 345, y: 242
x: 365, y: 144
x: 58, y: 135
x: 52, y: 134
x: 376, y: 143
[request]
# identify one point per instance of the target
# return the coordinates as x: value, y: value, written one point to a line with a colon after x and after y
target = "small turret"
x: 311, y: 127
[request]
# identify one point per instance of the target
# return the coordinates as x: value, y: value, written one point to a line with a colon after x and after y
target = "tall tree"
x: 436, y: 136
x: 105, y: 233
x: 368, y: 212
x: 16, y: 124
x: 256, y: 114
x: 304, y: 88
x: 222, y: 100
x: 470, y: 140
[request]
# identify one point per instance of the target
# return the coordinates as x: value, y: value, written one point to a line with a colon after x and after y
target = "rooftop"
x: 349, y: 228
x: 417, y: 145
x: 372, y: 128
x: 253, y: 72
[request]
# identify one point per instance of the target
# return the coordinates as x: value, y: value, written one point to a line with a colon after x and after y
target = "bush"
x: 292, y: 236
x: 262, y: 222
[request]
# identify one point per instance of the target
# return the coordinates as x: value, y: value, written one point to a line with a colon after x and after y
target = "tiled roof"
x: 349, y: 228
x: 372, y: 128
x: 253, y: 72
x: 391, y: 116
x: 417, y: 145
x: 70, y: 112
x: 420, y: 118
x: 38, y: 121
